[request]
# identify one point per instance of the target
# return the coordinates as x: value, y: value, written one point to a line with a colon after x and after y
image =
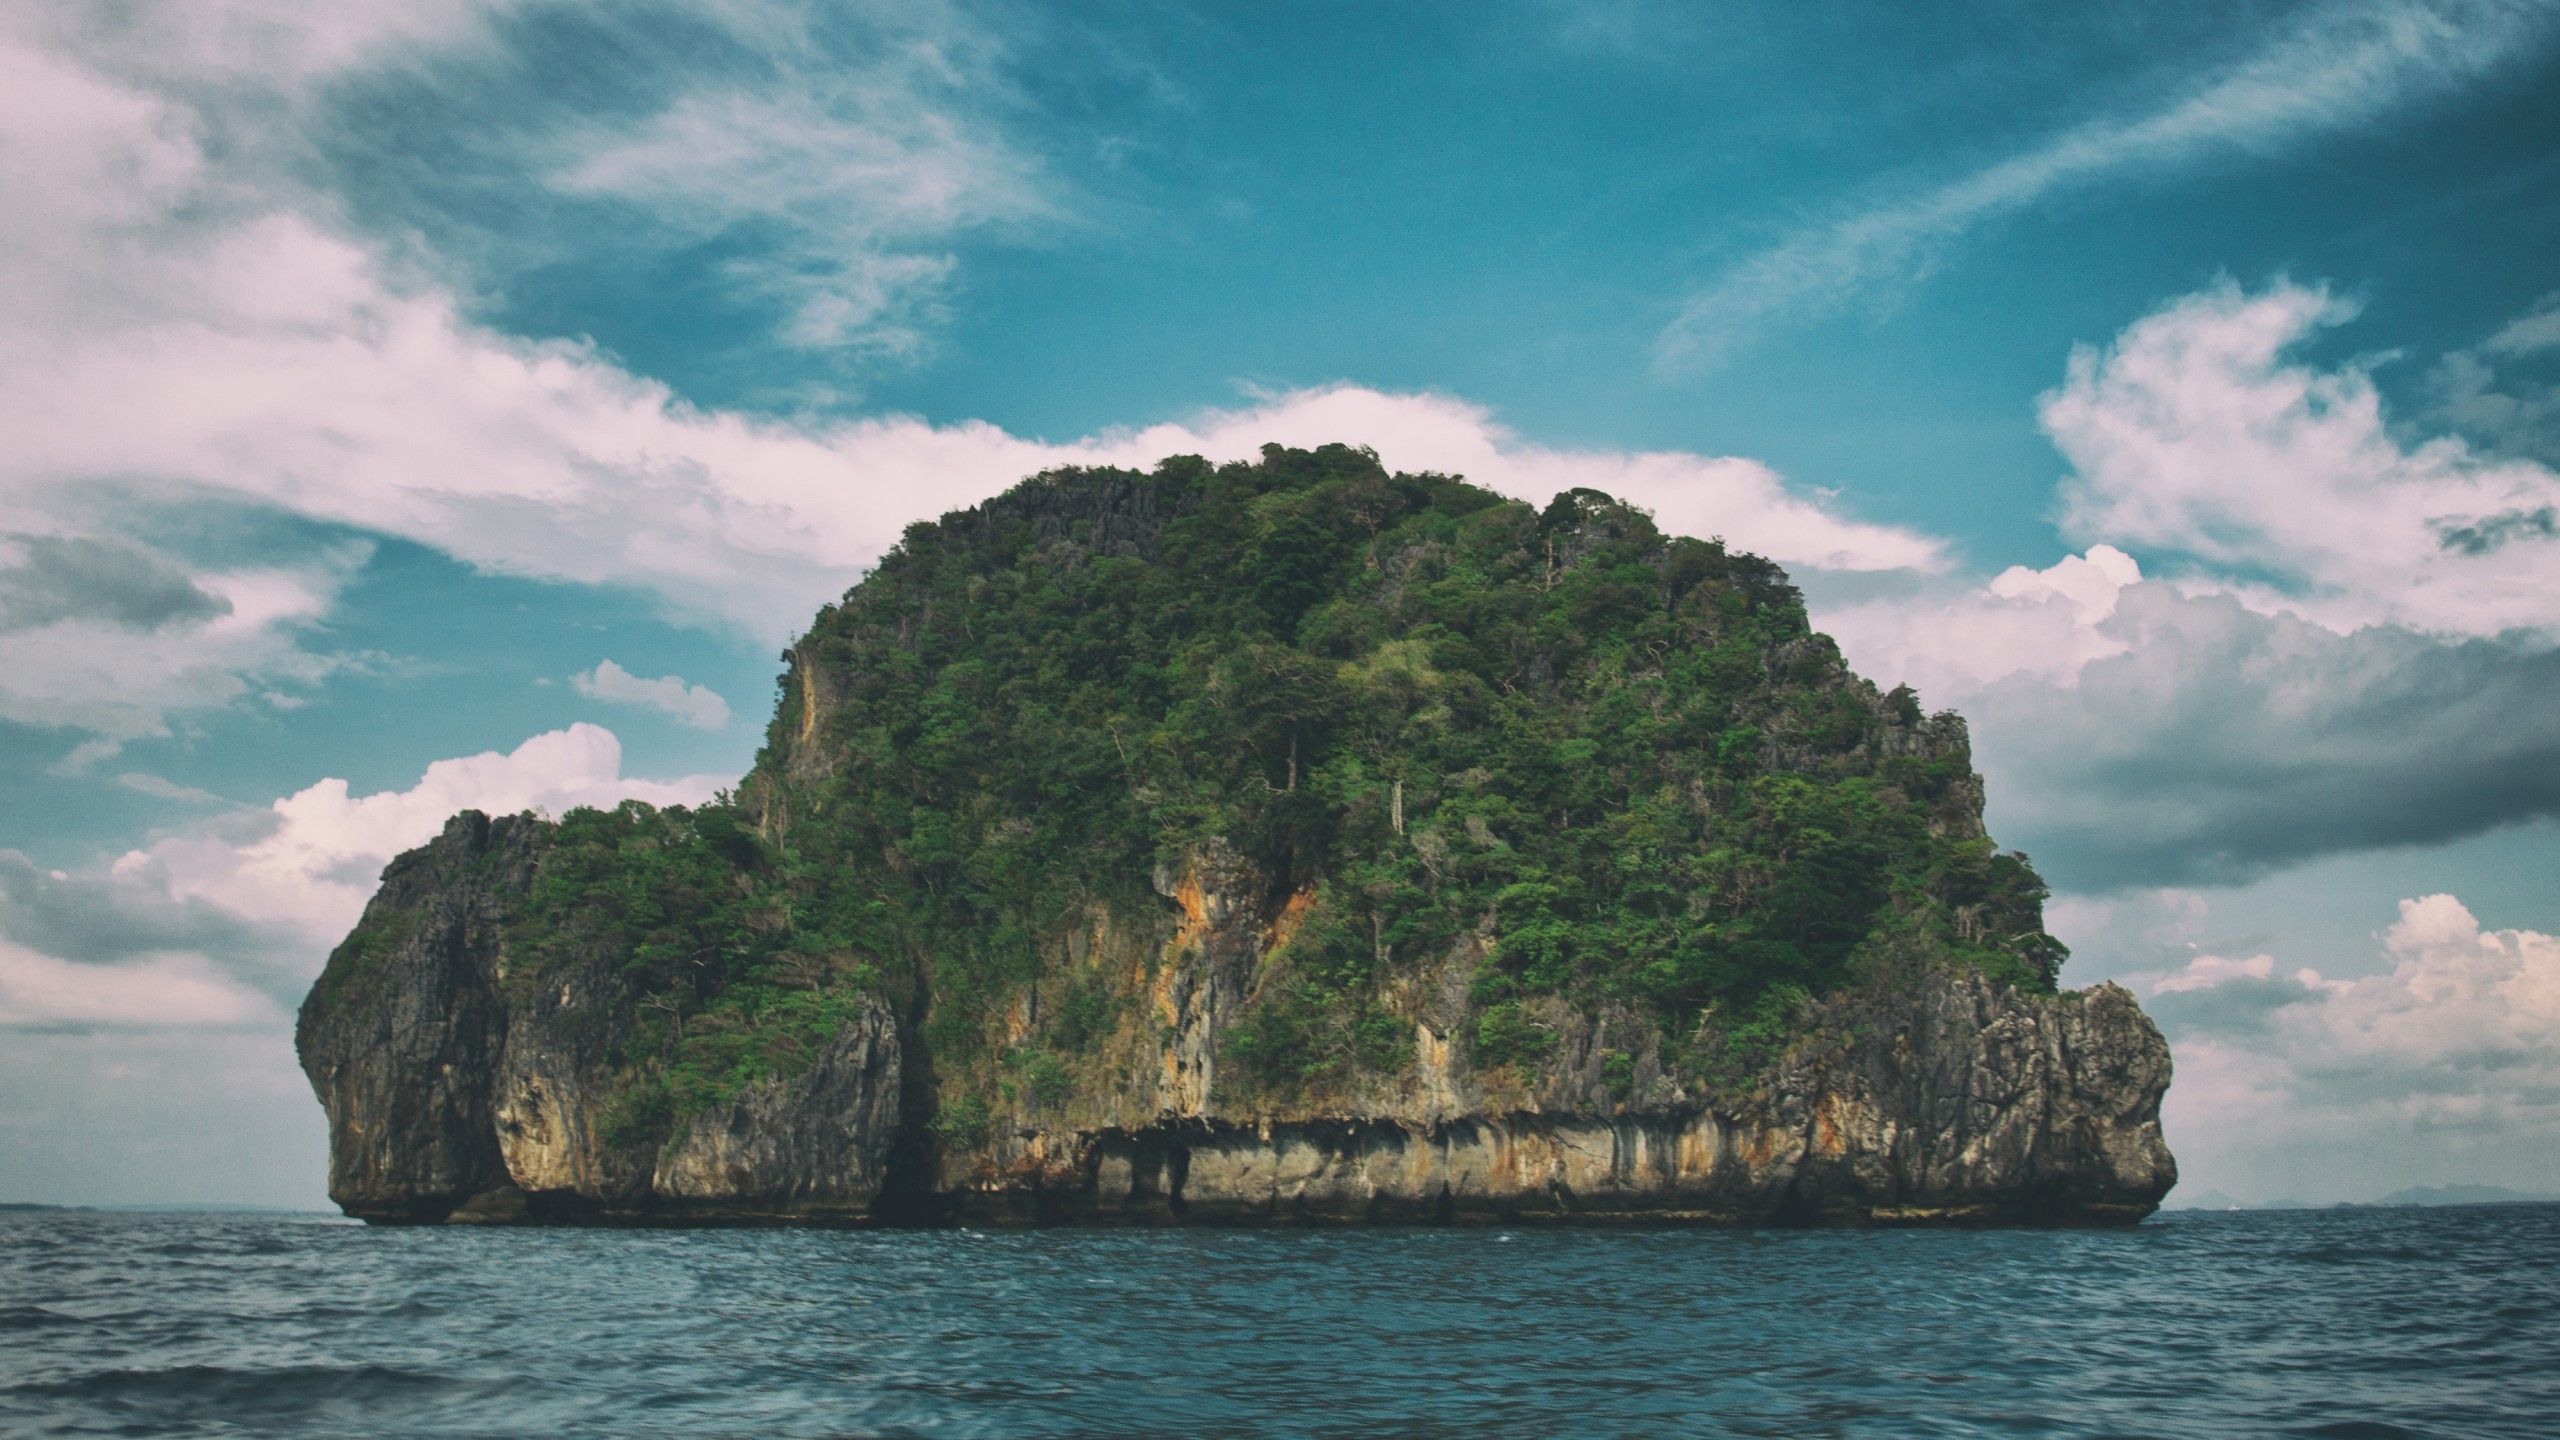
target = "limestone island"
x: 1283, y: 842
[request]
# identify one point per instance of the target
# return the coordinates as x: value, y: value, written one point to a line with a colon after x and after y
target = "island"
x: 1290, y: 841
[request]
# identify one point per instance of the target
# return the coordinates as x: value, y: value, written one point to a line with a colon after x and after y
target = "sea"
x: 2352, y: 1323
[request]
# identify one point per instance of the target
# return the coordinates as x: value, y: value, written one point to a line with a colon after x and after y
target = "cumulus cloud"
x: 1948, y: 640
x: 149, y: 1000
x: 2213, y: 971
x: 2341, y: 640
x: 2192, y: 434
x: 91, y: 918
x: 2445, y: 1065
x: 312, y: 861
x: 696, y: 705
x: 2283, y: 694
x: 2335, y: 65
x: 1743, y: 500
x: 224, y: 922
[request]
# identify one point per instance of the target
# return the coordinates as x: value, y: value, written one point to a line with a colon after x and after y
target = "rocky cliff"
x: 457, y: 1090
x: 1484, y: 865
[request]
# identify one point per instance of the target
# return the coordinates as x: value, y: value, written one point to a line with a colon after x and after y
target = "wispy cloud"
x: 696, y: 705
x: 2531, y: 333
x: 160, y: 787
x: 2500, y: 392
x: 2342, y: 64
x: 837, y: 158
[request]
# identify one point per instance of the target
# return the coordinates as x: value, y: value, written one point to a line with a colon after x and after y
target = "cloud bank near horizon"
x: 2444, y: 1064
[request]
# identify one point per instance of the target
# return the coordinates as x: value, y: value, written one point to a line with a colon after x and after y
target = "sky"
x: 406, y: 407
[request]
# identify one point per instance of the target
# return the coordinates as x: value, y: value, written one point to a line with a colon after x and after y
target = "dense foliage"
x: 1607, y: 763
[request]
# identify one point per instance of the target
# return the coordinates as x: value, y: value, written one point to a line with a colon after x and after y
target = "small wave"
x: 2355, y: 1326
x: 261, y: 1386
x: 327, y: 1312
x: 2341, y: 1254
x: 36, y: 1317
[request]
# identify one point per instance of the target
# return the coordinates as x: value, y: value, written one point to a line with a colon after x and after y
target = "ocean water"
x: 2371, y: 1323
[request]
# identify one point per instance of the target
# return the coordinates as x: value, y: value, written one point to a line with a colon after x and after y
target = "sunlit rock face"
x: 452, y: 1095
x: 1945, y: 1098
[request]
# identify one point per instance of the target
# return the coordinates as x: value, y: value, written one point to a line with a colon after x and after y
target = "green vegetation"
x: 1592, y: 761
x: 1318, y: 1015
x: 700, y: 923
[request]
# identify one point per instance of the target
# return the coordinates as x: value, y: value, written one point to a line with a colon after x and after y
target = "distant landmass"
x: 2464, y: 1195
x: 2419, y: 1195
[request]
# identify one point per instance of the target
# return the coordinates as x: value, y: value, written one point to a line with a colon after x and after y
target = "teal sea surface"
x: 2343, y: 1323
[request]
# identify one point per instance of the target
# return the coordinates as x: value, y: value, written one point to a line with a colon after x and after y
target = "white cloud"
x: 274, y: 45
x: 2501, y: 392
x: 2342, y: 64
x: 250, y: 902
x: 696, y: 705
x: 38, y: 991
x: 1742, y: 500
x: 2531, y: 333
x: 2444, y: 1066
x: 2206, y: 971
x: 148, y: 1003
x: 1950, y: 641
x: 857, y: 165
x: 2188, y: 739
x: 2117, y: 934
x: 2191, y: 433
x: 121, y: 681
x: 291, y: 366
x: 313, y: 864
x: 2356, y: 652
x: 160, y: 787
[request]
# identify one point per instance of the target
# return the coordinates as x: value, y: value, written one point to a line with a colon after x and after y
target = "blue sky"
x: 418, y: 406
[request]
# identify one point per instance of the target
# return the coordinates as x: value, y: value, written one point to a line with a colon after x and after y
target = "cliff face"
x: 1938, y: 1097
x: 457, y: 1090
x: 403, y: 1035
x: 1274, y: 842
x: 453, y: 1094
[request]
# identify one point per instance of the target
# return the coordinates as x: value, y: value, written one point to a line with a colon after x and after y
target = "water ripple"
x: 2357, y: 1325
